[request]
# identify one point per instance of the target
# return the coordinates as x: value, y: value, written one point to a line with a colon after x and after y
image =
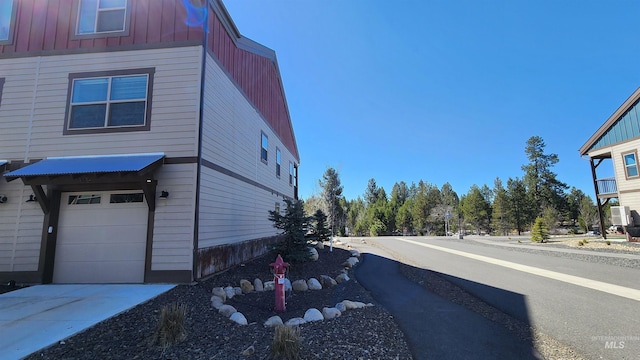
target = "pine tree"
x: 321, y: 232
x: 539, y: 231
x: 293, y: 247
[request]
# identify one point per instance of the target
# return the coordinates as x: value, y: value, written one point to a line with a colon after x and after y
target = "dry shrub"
x: 286, y: 343
x: 171, y: 328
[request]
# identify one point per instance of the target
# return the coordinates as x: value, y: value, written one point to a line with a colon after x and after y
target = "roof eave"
x: 610, y: 121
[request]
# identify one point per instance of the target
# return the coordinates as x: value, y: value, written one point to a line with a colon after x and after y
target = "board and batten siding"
x: 235, y: 208
x: 173, y: 220
x: 35, y: 96
x: 20, y: 229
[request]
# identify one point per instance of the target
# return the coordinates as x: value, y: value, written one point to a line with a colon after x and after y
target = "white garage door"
x: 101, y: 238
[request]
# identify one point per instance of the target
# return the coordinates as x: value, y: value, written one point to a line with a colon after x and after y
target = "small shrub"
x: 171, y: 329
x: 585, y: 241
x: 580, y: 243
x: 608, y: 242
x: 539, y: 232
x: 286, y: 343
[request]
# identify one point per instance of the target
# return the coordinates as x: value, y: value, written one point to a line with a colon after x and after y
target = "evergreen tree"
x: 500, y: 219
x: 403, y: 217
x: 519, y: 210
x: 331, y: 194
x: 476, y: 209
x: 539, y: 231
x: 321, y: 232
x: 371, y: 194
x: 293, y: 246
x: 545, y: 189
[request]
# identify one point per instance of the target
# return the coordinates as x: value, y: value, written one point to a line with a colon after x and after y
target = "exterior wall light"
x: 3, y: 199
x: 31, y: 198
x: 164, y: 194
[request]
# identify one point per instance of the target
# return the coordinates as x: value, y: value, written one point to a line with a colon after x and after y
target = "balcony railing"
x: 607, y: 187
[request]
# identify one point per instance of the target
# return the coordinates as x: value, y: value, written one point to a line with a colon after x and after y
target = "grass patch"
x: 286, y: 343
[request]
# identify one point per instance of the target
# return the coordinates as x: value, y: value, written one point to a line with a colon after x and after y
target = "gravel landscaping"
x: 368, y: 333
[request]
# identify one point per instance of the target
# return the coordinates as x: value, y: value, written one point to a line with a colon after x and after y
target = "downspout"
x: 196, y: 218
x: 603, y: 231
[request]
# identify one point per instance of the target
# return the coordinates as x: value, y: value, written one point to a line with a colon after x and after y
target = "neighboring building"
x: 141, y: 141
x: 618, y: 140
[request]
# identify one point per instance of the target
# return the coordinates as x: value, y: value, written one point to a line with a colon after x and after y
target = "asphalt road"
x: 592, y: 307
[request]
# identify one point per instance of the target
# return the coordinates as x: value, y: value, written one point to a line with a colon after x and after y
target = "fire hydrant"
x: 278, y: 268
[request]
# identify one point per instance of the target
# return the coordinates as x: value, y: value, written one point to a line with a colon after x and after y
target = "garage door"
x: 101, y: 238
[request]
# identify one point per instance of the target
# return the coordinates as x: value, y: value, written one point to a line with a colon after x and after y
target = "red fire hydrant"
x: 278, y: 268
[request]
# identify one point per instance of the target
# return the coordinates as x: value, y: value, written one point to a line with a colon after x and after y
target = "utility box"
x: 621, y: 216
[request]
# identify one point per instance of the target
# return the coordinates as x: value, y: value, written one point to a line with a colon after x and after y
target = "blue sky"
x: 447, y: 90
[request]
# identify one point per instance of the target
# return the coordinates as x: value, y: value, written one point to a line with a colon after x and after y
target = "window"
x: 7, y: 20
x: 278, y: 158
x: 102, y: 16
x: 126, y: 198
x: 264, y: 148
x: 290, y: 173
x: 1, y: 88
x: 277, y: 210
x: 108, y: 101
x: 84, y: 199
x: 630, y: 164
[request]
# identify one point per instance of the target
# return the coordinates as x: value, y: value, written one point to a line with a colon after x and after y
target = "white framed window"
x: 290, y: 173
x: 630, y: 164
x: 84, y: 199
x: 8, y: 10
x: 264, y: 148
x: 278, y: 162
x: 109, y: 100
x: 102, y: 16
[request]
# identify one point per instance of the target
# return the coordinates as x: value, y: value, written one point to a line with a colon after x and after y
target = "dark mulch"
x: 368, y: 333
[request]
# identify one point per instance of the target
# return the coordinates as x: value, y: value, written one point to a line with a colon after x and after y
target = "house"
x: 141, y: 141
x: 616, y: 144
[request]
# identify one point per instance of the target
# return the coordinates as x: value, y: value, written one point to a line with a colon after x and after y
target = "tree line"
x: 426, y: 209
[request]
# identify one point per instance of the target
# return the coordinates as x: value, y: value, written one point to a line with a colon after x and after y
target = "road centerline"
x: 613, y: 289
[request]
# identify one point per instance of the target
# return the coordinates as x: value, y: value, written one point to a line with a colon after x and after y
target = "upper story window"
x: 630, y: 164
x: 264, y: 147
x: 7, y: 20
x: 1, y: 88
x: 278, y: 162
x: 102, y: 16
x: 290, y: 173
x: 109, y: 101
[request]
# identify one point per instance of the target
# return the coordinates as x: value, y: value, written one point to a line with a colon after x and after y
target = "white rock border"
x: 221, y: 294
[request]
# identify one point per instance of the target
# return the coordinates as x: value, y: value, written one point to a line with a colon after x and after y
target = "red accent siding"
x: 48, y: 25
x: 258, y: 77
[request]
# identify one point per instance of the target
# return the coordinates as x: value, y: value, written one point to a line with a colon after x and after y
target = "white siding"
x: 233, y: 210
x: 33, y: 120
x: 20, y: 229
x: 173, y: 222
x: 628, y: 190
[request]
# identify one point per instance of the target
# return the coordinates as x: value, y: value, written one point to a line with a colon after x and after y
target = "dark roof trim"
x: 101, y: 164
x: 610, y: 121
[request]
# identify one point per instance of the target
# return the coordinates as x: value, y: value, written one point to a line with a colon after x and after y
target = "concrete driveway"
x: 38, y: 316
